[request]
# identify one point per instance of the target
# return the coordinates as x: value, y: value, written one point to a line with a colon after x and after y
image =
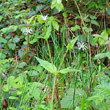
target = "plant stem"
x: 49, y: 52
x: 82, y: 21
x: 51, y: 108
x: 62, y: 59
x: 27, y: 42
x: 0, y: 89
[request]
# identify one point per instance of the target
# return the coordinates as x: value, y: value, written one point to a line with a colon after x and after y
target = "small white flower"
x: 44, y: 17
x: 82, y: 46
x: 27, y: 30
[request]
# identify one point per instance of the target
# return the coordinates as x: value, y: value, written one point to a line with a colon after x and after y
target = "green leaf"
x: 82, y: 38
x: 1, y: 17
x: 108, y: 54
x: 11, y: 28
x: 108, y: 11
x: 100, y: 56
x: 98, y: 98
x: 48, y: 66
x: 87, y: 29
x: 67, y: 101
x: 71, y: 43
x: 65, y: 14
x: 16, y: 39
x: 13, y: 98
x: 2, y: 40
x: 77, y: 108
x: 33, y: 73
x: 6, y: 88
x: 92, y: 42
x: 21, y: 65
x: 2, y: 56
x: 10, y: 82
x: 93, y: 17
x: 67, y: 70
x: 75, y: 28
x: 48, y: 32
x: 59, y: 1
x: 95, y: 23
x: 20, y: 53
x: 55, y: 25
x: 104, y: 34
x: 58, y: 4
x: 12, y: 46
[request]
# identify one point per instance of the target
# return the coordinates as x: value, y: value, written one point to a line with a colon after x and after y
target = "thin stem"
x: 0, y: 89
x: 51, y: 108
x: 82, y: 21
x: 49, y: 51
x: 62, y: 59
x: 27, y: 42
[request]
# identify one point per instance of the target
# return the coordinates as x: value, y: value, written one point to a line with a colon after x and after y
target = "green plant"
x: 21, y: 90
x: 101, y: 97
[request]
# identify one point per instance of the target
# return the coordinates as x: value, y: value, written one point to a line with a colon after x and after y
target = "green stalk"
x: 0, y: 90
x: 62, y: 59
x: 49, y: 51
x: 83, y: 23
x: 51, y: 107
x: 55, y: 77
x: 28, y: 43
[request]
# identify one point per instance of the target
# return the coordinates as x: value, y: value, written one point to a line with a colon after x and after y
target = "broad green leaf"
x: 82, y: 38
x: 55, y: 25
x: 87, y: 29
x: 65, y: 14
x: 2, y: 40
x: 2, y: 56
x: 48, y: 66
x: 48, y: 32
x: 67, y: 101
x: 77, y: 108
x: 97, y: 35
x: 11, y: 28
x: 93, y: 17
x: 33, y: 73
x: 91, y: 40
x: 16, y: 39
x: 21, y: 65
x: 59, y: 1
x: 100, y: 56
x: 67, y: 70
x: 59, y: 7
x: 58, y: 4
x: 95, y: 22
x: 20, y: 53
x: 108, y: 54
x: 98, y: 98
x: 12, y: 46
x: 6, y: 88
x: 104, y: 34
x: 75, y: 28
x: 10, y: 82
x: 1, y: 17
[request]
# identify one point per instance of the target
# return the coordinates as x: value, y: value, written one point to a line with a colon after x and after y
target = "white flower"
x: 82, y: 46
x: 44, y: 17
x: 27, y: 30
